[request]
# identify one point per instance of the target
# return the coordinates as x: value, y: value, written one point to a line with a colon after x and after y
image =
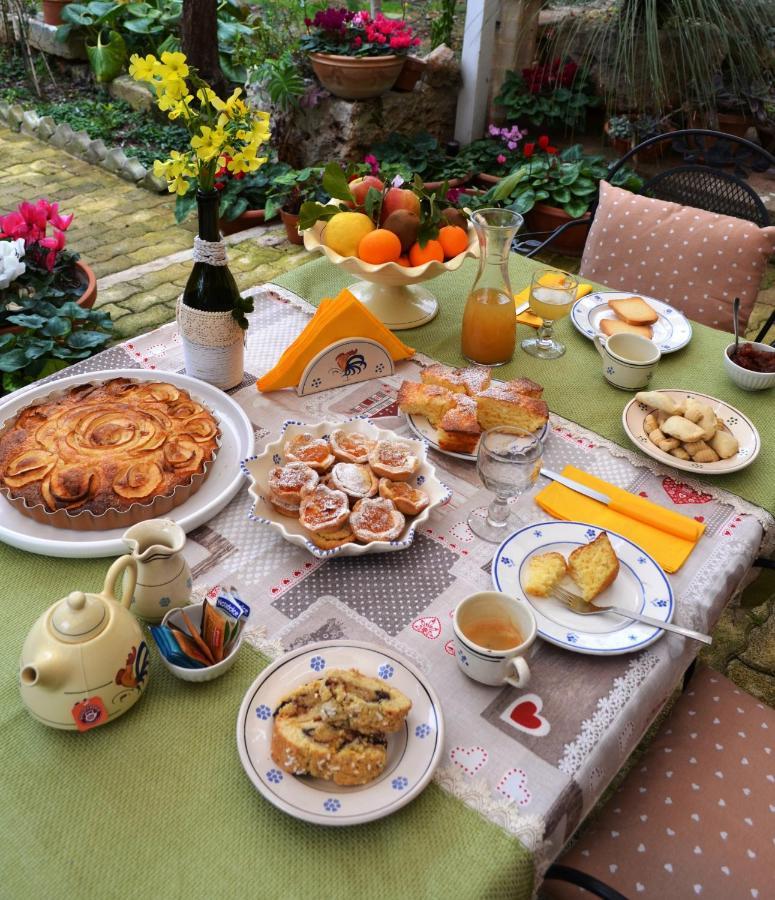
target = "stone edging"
x: 78, y: 143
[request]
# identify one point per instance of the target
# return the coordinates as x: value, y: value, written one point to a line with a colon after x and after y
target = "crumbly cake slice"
x: 348, y: 699
x: 427, y: 400
x: 499, y: 405
x: 544, y: 572
x: 594, y: 566
x: 524, y: 386
x: 470, y: 380
x: 458, y: 430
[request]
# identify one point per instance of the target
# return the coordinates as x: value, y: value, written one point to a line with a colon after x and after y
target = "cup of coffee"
x: 629, y: 360
x: 493, y: 632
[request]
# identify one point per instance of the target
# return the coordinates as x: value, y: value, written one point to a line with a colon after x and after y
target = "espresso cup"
x: 482, y: 611
x: 629, y: 360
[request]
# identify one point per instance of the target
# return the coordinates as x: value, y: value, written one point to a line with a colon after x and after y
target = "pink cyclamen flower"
x: 500, y: 159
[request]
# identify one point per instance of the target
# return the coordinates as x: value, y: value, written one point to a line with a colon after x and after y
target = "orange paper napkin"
x: 338, y: 319
x: 670, y: 543
x: 527, y: 318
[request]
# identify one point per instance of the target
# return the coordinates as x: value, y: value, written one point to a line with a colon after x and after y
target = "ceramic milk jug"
x: 85, y: 660
x: 163, y: 576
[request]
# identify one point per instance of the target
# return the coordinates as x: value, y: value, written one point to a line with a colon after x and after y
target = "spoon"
x: 735, y: 322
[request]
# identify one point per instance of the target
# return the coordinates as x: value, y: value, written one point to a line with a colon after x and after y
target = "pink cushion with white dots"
x: 696, y: 815
x: 694, y: 260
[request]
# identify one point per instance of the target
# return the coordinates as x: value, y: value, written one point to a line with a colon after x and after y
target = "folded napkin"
x: 527, y: 318
x: 670, y: 542
x: 338, y: 319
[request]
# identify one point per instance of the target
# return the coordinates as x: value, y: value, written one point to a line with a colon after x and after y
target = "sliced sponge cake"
x: 593, y: 566
x: 544, y: 572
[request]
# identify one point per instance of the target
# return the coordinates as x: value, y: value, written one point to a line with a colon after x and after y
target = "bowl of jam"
x: 752, y: 367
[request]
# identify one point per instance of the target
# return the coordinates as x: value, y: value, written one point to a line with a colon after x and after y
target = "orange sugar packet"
x: 190, y: 648
x: 195, y: 636
x: 213, y: 630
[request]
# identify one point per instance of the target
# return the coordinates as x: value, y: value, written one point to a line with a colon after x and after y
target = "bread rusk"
x: 634, y: 311
x: 544, y: 572
x: 616, y: 326
x: 593, y: 566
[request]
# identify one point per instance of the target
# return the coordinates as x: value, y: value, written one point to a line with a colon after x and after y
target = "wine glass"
x: 508, y: 463
x: 552, y: 294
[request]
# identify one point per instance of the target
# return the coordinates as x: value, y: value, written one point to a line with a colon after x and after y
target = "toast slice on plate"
x: 616, y: 326
x: 634, y: 311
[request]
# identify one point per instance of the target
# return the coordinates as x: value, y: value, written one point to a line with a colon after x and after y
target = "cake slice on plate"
x: 594, y: 566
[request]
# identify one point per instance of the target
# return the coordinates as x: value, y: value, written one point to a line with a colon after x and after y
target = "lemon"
x: 344, y: 231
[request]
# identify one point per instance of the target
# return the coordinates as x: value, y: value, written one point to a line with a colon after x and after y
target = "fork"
x: 584, y: 608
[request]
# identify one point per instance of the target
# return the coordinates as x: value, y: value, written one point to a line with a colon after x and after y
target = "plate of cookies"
x: 343, y: 488
x: 340, y: 732
x: 610, y: 312
x: 592, y: 563
x: 450, y: 408
x: 691, y: 431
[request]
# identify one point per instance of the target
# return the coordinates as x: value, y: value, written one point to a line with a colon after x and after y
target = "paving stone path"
x: 142, y: 258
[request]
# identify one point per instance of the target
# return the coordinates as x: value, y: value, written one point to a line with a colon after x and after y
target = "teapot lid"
x: 79, y: 617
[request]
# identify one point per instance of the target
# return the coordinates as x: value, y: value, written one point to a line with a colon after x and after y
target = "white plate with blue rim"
x: 670, y: 332
x: 640, y: 586
x: 412, y: 753
x: 257, y: 469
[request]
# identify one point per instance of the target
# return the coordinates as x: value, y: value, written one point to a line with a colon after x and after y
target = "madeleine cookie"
x: 287, y: 483
x: 351, y: 446
x: 376, y: 520
x: 315, y: 452
x: 355, y: 480
x: 323, y: 510
x: 394, y: 460
x: 407, y: 499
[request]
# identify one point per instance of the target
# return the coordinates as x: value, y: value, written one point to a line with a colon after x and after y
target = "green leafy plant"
x: 295, y: 188
x: 416, y: 154
x: 620, y: 128
x: 282, y: 81
x: 442, y: 22
x: 554, y: 95
x: 51, y: 338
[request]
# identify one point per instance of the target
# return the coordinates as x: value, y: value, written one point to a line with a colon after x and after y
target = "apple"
x: 359, y: 187
x: 400, y: 198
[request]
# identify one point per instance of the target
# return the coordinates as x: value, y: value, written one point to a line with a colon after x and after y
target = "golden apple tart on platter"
x: 108, y: 454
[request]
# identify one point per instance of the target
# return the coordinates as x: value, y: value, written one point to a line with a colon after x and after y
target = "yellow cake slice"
x: 594, y: 566
x: 502, y: 405
x: 544, y: 572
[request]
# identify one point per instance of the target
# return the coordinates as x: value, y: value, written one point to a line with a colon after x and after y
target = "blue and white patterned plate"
x: 641, y: 586
x: 671, y: 331
x: 413, y: 753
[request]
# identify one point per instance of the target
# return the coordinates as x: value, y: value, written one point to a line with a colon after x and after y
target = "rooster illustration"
x: 350, y: 362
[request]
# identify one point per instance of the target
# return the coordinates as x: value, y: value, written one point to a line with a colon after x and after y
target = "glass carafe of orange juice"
x: 489, y: 321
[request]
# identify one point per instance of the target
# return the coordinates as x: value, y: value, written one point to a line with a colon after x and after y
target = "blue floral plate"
x: 641, y: 586
x: 413, y: 753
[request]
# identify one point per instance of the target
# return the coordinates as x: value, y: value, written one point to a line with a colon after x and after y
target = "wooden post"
x: 515, y: 42
x: 376, y: 7
x: 475, y: 64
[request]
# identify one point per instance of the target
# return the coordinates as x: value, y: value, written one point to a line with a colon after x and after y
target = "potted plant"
x: 551, y: 188
x: 417, y: 155
x: 52, y: 11
x: 353, y: 55
x: 620, y: 133
x: 625, y: 133
x: 289, y: 191
x: 494, y: 156
x: 36, y: 264
x: 410, y: 74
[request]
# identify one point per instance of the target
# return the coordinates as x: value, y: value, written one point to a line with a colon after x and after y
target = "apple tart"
x: 103, y: 455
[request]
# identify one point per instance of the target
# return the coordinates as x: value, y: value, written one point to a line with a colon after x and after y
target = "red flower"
x: 239, y: 175
x: 219, y: 185
x: 529, y: 149
x: 543, y: 143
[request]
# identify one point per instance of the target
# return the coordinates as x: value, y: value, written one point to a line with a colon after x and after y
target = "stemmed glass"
x: 552, y: 294
x: 508, y: 463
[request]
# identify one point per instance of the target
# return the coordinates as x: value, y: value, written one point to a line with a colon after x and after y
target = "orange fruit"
x: 432, y: 250
x: 453, y: 240
x: 379, y: 246
x: 403, y: 261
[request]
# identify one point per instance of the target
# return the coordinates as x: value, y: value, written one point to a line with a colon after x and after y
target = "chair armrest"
x: 581, y: 879
x: 556, y: 233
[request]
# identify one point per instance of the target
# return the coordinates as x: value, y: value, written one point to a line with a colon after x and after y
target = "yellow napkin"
x: 527, y: 318
x: 338, y: 319
x: 670, y: 544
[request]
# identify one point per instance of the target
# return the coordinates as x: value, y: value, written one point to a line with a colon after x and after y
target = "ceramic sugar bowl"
x: 85, y: 660
x: 163, y: 575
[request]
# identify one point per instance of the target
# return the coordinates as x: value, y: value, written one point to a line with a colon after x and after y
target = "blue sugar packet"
x: 170, y: 650
x: 232, y: 605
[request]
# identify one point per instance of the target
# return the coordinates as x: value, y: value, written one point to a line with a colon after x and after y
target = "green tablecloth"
x: 574, y: 385
x: 157, y: 804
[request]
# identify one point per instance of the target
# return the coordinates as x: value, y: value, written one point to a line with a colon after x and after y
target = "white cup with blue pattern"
x: 493, y: 633
x: 629, y: 360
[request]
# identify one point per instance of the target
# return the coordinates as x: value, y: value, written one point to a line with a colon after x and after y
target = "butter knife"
x: 523, y: 307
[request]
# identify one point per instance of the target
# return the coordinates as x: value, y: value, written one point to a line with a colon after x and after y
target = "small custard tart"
x: 315, y: 452
x: 376, y: 520
x: 411, y: 501
x: 324, y: 510
x: 394, y: 459
x: 355, y: 480
x: 351, y: 446
x: 287, y: 483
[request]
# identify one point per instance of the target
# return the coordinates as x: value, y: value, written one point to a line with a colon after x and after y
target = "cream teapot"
x: 85, y: 660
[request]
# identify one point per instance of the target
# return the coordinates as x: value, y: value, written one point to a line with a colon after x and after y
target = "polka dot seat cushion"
x: 696, y: 817
x: 695, y: 260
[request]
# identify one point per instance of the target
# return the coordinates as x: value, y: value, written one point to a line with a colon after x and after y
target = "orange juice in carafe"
x: 489, y: 327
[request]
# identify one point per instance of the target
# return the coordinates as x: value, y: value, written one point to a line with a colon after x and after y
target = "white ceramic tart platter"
x: 412, y: 756
x: 641, y: 586
x: 222, y: 483
x: 257, y: 468
x: 739, y: 425
x: 424, y: 430
x: 670, y: 332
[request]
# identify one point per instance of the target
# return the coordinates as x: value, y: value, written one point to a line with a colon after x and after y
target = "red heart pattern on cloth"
x: 681, y: 493
x: 524, y: 714
x: 427, y: 626
x: 469, y: 759
x: 449, y: 647
x: 513, y: 784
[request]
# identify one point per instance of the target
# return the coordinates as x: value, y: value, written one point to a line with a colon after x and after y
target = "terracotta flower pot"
x: 52, y: 11
x: 487, y: 180
x: 543, y: 217
x: 451, y: 183
x: 249, y: 219
x: 411, y: 73
x: 356, y: 77
x: 291, y: 222
x: 733, y: 123
x: 86, y: 300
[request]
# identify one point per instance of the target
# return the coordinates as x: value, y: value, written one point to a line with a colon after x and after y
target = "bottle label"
x: 213, y: 346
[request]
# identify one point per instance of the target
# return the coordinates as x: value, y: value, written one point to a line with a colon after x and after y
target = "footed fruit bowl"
x: 390, y: 291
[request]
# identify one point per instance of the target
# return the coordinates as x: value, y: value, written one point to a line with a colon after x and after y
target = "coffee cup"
x: 493, y: 633
x: 629, y: 360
